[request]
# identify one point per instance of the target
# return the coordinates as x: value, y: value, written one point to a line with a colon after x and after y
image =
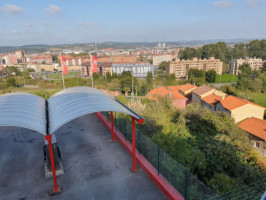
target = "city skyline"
x: 57, y: 22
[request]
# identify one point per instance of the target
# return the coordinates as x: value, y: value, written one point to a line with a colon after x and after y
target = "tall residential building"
x: 157, y: 59
x: 181, y: 67
x: 255, y: 64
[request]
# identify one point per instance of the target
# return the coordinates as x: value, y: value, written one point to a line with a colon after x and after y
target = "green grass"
x: 59, y: 75
x: 259, y: 98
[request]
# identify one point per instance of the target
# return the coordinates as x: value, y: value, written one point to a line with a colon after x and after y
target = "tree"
x: 11, y: 82
x: 245, y: 71
x: 210, y: 76
x: 163, y: 65
x: 55, y: 59
x: 95, y: 76
x: 43, y: 62
x: 13, y: 69
x: 108, y: 77
x: 263, y: 69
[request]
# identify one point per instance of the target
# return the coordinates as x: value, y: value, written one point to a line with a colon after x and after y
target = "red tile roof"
x: 202, y: 90
x: 232, y: 102
x: 163, y: 91
x: 212, y: 99
x: 186, y: 87
x: 254, y: 126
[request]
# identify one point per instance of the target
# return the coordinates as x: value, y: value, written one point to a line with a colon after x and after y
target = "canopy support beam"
x: 112, y: 122
x: 55, y: 189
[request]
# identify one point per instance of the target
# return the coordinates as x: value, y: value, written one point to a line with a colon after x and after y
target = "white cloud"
x: 12, y: 9
x: 222, y: 4
x: 53, y: 9
x: 29, y: 25
x: 252, y: 3
x: 84, y: 23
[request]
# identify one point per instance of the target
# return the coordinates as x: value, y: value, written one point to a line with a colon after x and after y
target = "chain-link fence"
x: 181, y: 179
x: 252, y: 191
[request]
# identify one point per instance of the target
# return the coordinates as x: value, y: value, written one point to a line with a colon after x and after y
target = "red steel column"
x: 112, y: 122
x: 134, y: 168
x: 56, y: 189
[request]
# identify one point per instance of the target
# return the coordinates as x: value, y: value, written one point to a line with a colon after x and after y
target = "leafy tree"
x: 11, y: 82
x: 43, y: 62
x: 13, y: 69
x: 108, y: 77
x: 210, y: 76
x: 95, y: 76
x: 55, y: 59
x: 163, y: 65
x: 263, y: 69
x: 245, y: 71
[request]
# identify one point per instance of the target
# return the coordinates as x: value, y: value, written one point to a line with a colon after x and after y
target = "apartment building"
x: 181, y: 67
x: 138, y: 69
x: 255, y: 64
x: 157, y: 59
x: 47, y: 59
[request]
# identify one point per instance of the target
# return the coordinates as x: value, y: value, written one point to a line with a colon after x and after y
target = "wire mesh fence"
x: 180, y: 178
x: 186, y: 183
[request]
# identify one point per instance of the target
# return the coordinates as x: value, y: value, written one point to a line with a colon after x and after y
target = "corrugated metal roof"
x: 72, y: 103
x: 23, y: 110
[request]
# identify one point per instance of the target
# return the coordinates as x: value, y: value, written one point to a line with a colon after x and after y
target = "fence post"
x: 115, y: 121
x: 186, y: 184
x: 158, y: 159
x: 138, y: 140
x: 107, y: 116
x: 125, y: 124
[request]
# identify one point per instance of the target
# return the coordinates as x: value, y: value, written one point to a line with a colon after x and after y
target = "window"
x: 257, y: 145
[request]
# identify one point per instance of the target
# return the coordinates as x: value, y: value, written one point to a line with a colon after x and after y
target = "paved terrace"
x: 95, y: 167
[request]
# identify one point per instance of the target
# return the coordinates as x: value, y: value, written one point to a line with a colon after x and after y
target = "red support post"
x: 56, y: 189
x: 134, y: 168
x: 112, y: 122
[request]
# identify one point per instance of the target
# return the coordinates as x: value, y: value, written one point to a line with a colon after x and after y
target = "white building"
x: 255, y: 64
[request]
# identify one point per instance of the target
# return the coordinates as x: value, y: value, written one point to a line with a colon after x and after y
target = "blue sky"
x: 81, y: 21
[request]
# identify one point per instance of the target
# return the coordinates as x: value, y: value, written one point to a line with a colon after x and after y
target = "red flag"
x: 63, y: 65
x: 93, y: 63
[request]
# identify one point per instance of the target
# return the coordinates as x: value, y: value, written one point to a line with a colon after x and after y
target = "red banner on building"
x: 63, y: 65
x: 93, y: 63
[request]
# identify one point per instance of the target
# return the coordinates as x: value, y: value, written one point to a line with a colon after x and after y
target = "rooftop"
x: 202, y: 90
x: 254, y: 126
x: 232, y: 102
x: 95, y: 167
x: 163, y: 91
x: 186, y: 87
x: 212, y: 99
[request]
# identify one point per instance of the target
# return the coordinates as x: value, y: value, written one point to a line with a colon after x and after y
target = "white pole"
x: 62, y: 71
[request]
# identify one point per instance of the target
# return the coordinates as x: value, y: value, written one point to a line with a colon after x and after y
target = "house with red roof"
x: 178, y: 100
x: 185, y: 90
x: 211, y: 101
x: 240, y: 109
x: 257, y: 132
x: 203, y: 91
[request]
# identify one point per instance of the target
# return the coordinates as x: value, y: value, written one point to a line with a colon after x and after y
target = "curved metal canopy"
x: 23, y: 110
x: 72, y: 103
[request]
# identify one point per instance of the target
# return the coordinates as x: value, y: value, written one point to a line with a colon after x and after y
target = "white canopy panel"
x: 23, y: 110
x: 72, y: 103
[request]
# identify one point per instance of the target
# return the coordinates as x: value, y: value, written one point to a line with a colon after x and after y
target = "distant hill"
x: 38, y: 48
